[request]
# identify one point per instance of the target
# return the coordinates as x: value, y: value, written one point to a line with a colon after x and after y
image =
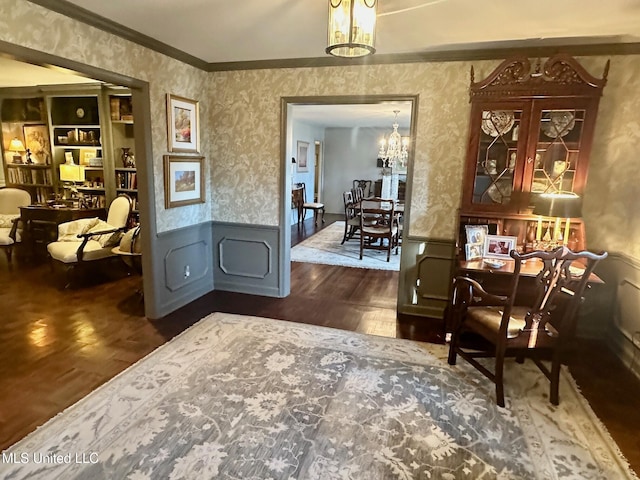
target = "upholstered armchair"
x: 11, y: 199
x: 89, y: 239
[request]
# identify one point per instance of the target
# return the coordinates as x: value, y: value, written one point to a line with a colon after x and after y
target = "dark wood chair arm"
x: 469, y: 291
x: 87, y: 236
x: 14, y: 228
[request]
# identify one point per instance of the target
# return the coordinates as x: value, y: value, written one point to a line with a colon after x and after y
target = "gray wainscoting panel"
x: 617, y: 317
x: 184, y: 256
x: 246, y: 258
x: 425, y: 276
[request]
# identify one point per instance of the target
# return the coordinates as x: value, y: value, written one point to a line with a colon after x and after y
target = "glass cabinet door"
x: 497, y: 154
x: 557, y: 153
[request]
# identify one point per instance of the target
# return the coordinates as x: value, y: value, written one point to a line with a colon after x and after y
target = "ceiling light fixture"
x: 352, y: 28
x: 394, y: 152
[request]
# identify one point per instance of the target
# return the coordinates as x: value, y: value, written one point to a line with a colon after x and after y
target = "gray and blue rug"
x: 248, y: 398
x: 324, y: 247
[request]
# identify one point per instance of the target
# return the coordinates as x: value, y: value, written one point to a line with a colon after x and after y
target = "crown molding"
x: 71, y: 10
x: 83, y: 15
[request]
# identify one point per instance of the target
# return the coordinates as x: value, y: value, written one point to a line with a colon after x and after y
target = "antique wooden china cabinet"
x: 531, y: 132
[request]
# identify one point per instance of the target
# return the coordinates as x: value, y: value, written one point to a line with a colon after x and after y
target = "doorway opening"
x: 56, y: 78
x: 347, y: 130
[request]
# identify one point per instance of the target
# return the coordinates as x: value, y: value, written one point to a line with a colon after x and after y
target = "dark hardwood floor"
x: 58, y: 345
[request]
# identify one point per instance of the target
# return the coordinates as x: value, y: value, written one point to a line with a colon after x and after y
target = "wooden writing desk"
x: 41, y: 224
x: 530, y: 268
x: 498, y: 280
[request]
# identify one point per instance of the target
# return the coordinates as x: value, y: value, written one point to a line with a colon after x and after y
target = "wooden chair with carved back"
x: 538, y: 331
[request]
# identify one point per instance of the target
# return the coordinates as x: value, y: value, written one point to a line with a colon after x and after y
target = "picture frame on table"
x: 183, y: 181
x: 473, y: 251
x: 183, y: 124
x: 302, y: 162
x: 499, y: 246
x: 476, y: 233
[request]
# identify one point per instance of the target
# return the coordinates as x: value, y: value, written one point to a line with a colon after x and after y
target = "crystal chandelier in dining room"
x: 394, y: 152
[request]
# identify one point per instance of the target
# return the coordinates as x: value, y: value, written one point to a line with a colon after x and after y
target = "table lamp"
x: 16, y: 146
x: 70, y: 174
x: 565, y: 205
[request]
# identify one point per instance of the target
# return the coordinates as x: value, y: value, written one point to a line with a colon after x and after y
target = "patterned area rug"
x: 324, y: 247
x: 240, y: 397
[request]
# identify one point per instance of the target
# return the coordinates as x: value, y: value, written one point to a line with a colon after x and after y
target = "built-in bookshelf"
x: 25, y: 120
x: 123, y: 144
x: 77, y: 134
x: 89, y: 124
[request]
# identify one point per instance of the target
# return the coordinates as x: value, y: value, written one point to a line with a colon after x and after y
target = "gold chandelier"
x: 352, y: 27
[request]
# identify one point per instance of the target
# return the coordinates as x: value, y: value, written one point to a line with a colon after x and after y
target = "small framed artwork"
x: 36, y: 139
x: 303, y: 156
x: 476, y: 233
x: 473, y: 251
x: 497, y: 246
x: 183, y: 124
x: 88, y: 154
x: 183, y: 181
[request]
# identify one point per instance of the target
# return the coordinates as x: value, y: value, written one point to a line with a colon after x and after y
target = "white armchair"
x: 89, y: 239
x: 11, y: 199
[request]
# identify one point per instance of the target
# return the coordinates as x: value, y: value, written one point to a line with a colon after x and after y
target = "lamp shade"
x: 559, y: 205
x: 16, y: 145
x: 352, y: 27
x: 72, y: 173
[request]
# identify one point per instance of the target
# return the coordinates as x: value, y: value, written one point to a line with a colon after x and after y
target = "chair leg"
x: 346, y: 229
x: 554, y: 395
x: 453, y: 353
x: 499, y: 374
x: 322, y: 214
x: 361, y: 244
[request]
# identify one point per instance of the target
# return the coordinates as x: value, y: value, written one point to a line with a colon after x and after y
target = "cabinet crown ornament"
x: 518, y: 78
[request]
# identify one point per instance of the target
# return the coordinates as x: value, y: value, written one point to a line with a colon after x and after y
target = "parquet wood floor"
x: 57, y: 345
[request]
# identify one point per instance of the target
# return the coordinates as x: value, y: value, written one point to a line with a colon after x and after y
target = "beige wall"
x: 612, y: 196
x: 29, y: 25
x: 240, y: 130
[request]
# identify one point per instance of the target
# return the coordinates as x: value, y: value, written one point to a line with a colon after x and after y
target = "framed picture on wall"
x: 36, y: 139
x: 183, y: 181
x: 303, y: 156
x: 182, y: 124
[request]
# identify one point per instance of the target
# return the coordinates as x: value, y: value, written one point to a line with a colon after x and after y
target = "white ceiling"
x: 230, y: 31
x: 21, y: 74
x: 349, y: 116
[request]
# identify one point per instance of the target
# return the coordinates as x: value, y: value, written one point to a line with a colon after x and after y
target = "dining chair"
x: 539, y: 330
x: 365, y: 185
x: 316, y: 207
x: 378, y: 223
x: 351, y: 217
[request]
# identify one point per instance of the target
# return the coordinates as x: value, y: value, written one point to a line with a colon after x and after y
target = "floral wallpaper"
x: 246, y: 121
x: 240, y: 127
x: 247, y: 107
x: 610, y: 206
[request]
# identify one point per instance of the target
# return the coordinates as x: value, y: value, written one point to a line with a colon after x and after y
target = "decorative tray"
x: 494, y: 263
